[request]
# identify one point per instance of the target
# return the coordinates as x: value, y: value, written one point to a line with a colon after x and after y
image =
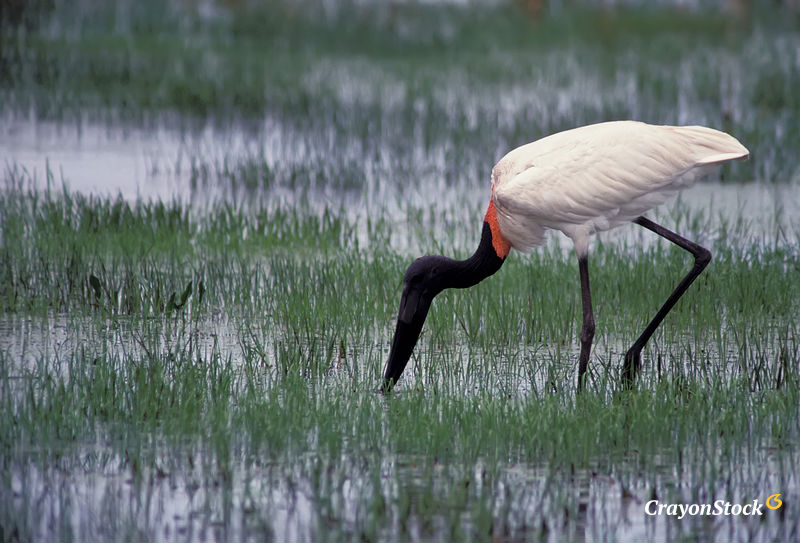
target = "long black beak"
x: 414, y: 307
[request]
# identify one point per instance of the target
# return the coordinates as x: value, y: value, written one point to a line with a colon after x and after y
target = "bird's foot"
x: 633, y: 362
x: 387, y: 386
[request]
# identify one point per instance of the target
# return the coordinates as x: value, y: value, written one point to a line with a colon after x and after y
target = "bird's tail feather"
x: 713, y: 146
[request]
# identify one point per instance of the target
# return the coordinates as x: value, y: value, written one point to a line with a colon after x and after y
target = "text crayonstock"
x: 718, y: 508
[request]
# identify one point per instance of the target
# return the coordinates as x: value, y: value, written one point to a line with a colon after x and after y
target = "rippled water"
x: 425, y: 156
x: 263, y: 500
x: 170, y: 164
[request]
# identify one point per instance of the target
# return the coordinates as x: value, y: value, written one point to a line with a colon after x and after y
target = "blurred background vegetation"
x: 513, y: 70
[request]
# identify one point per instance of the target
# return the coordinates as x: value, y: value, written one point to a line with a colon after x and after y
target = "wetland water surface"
x: 199, y: 166
x: 170, y: 484
x: 197, y: 297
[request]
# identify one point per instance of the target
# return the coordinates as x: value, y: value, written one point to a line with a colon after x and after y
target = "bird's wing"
x: 603, y: 174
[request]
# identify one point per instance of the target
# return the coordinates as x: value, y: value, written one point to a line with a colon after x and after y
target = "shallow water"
x: 421, y: 163
x: 287, y: 500
x: 172, y: 164
x: 293, y: 499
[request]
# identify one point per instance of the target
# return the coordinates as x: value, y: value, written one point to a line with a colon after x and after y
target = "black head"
x: 424, y: 279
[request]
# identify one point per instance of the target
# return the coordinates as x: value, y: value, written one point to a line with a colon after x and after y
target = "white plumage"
x: 596, y: 177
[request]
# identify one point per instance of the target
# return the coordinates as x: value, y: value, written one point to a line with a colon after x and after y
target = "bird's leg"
x: 702, y: 257
x: 587, y: 330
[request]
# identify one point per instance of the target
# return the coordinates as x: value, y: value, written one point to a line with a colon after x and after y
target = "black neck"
x: 482, y: 264
x: 424, y: 279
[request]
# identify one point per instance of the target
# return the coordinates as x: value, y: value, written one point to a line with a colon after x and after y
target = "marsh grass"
x: 368, y: 466
x: 268, y: 380
x: 206, y: 368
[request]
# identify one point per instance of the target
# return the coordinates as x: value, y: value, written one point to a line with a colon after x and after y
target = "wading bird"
x: 579, y: 181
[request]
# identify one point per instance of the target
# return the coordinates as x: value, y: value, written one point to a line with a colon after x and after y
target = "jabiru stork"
x: 580, y: 182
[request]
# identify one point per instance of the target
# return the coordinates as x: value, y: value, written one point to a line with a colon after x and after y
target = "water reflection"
x: 98, y: 492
